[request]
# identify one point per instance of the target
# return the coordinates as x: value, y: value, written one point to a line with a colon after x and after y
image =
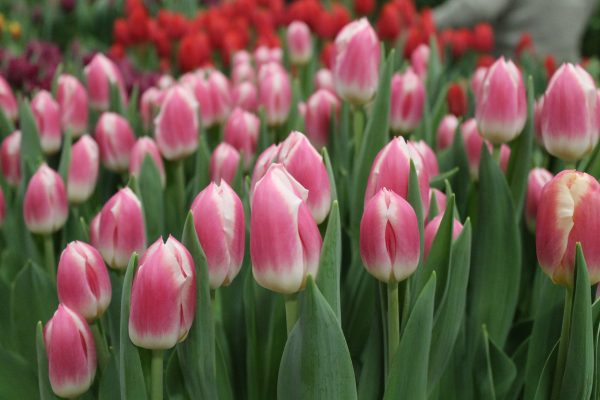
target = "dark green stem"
x: 157, y: 375
x: 393, y: 318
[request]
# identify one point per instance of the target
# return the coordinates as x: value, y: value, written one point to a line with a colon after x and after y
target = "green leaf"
x: 456, y: 157
x: 330, y: 262
x: 57, y: 73
x: 294, y: 121
x: 494, y: 370
x: 107, y: 387
x: 544, y: 388
x: 519, y: 359
x: 115, y: 101
x: 65, y: 157
x: 316, y: 363
x: 31, y: 150
x: 407, y: 378
x: 17, y: 378
x: 6, y: 125
x: 151, y: 195
x: 174, y: 379
x: 330, y: 174
x: 201, y: 177
x: 42, y: 364
x: 414, y: 198
x: 370, y: 383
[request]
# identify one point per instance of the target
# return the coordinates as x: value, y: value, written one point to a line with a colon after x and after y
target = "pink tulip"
x: 245, y: 96
x: 321, y: 107
x: 473, y: 142
x: 10, y: 158
x: 47, y: 115
x: 150, y: 103
x: 213, y: 94
x: 537, y: 179
x: 241, y: 131
x: 73, y: 100
x: 429, y: 158
x: 262, y: 164
x: 440, y: 200
x: 431, y: 231
x: 115, y: 140
x: 302, y: 109
x: 163, y: 296
x: 389, y: 237
x: 446, y: 131
x: 299, y: 43
x: 275, y: 95
x: 45, y: 207
x: 262, y: 56
x: 243, y: 73
x: 83, y: 170
x: 8, y: 102
x: 95, y: 231
x: 100, y: 74
x: 145, y: 146
x: 407, y: 101
x: 219, y: 221
x: 568, y: 213
x: 165, y: 81
x: 419, y: 60
x: 324, y: 80
x: 477, y: 81
x: 71, y: 353
x: 82, y: 280
x: 224, y: 163
x: 241, y: 57
x: 176, y: 127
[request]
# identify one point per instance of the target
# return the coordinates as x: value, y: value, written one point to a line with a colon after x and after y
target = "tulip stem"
x: 393, y: 316
x: 563, y: 343
x: 157, y: 375
x: 101, y: 345
x: 358, y: 125
x: 291, y: 311
x: 180, y: 191
x: 49, y: 256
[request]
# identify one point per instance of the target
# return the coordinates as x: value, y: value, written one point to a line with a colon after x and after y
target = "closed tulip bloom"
x: 224, y: 163
x: 71, y: 353
x: 356, y: 59
x: 569, y: 119
x: 95, y: 231
x: 457, y: 100
x: 568, y: 212
x: 121, y: 229
x: 82, y: 280
x: 389, y: 237
x: 220, y: 93
x: 299, y: 43
x: 263, y: 162
x: 100, y: 74
x: 46, y: 113
x: 407, y: 101
x: 45, y: 206
x: 262, y: 56
x: 537, y: 179
x: 10, y: 158
x: 143, y: 147
x: 275, y: 95
x: 285, y: 243
x: 243, y: 73
x: 431, y: 231
x: 241, y: 57
x: 219, y: 221
x: 473, y: 142
x: 150, y: 103
x: 501, y: 105
x: 241, y: 131
x: 115, y: 140
x: 176, y: 127
x: 419, y: 60
x: 321, y: 108
x: 430, y: 160
x: 477, y: 80
x: 73, y: 100
x: 324, y: 80
x: 8, y: 102
x: 83, y: 170
x: 446, y: 131
x: 245, y: 96
x: 163, y: 296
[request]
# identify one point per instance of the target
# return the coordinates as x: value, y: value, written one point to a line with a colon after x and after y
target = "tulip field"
x: 260, y: 200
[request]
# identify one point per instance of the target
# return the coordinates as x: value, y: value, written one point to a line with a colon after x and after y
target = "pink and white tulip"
x: 245, y: 96
x: 446, y: 131
x: 407, y: 101
x: 321, y: 108
x: 537, y: 179
x: 143, y: 147
x: 73, y: 100
x: 431, y: 231
x: 243, y: 73
x: 45, y: 206
x: 115, y: 140
x: 176, y: 126
x: 83, y: 170
x: 95, y: 230
x: 324, y: 80
x: 241, y: 131
x: 299, y: 43
x: 47, y: 114
x: 263, y: 162
x: 100, y: 74
x: 224, y: 163
x: 477, y: 81
x: 10, y: 158
x: 275, y: 95
x: 8, y: 102
x: 440, y: 200
x: 473, y: 142
x: 419, y: 60
x: 212, y: 91
x: 150, y: 103
x: 430, y: 160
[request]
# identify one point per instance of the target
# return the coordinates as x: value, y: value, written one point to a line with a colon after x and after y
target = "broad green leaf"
x: 330, y: 261
x: 107, y: 386
x: 455, y: 157
x: 371, y: 382
x: 31, y: 150
x: 17, y: 376
x: 330, y: 174
x: 174, y: 379
x: 42, y: 365
x: 544, y: 388
x: 414, y: 198
x: 65, y: 157
x: 151, y: 195
x: 494, y: 370
x: 223, y: 368
x: 519, y: 359
x: 115, y: 100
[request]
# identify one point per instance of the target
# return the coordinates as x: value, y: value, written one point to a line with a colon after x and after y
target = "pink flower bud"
x: 407, y: 101
x: 2, y: 208
x: 176, y: 127
x: 115, y: 140
x: 10, y: 158
x: 83, y: 170
x: 356, y: 59
x: 150, y: 103
x: 224, y: 163
x: 8, y: 102
x: 324, y: 80
x: 276, y: 55
x: 73, y: 100
x: 243, y: 73
x: 538, y: 177
x: 47, y: 113
x: 71, y: 353
x: 241, y: 131
x: 321, y: 107
x: 568, y: 213
x: 163, y: 296
x: 245, y: 96
x: 146, y: 146
x: 389, y: 237
x: 477, y: 80
x: 419, y: 59
x: 285, y: 243
x: 219, y: 221
x: 82, y: 280
x: 100, y: 74
x: 275, y: 95
x: 241, y: 57
x: 121, y: 229
x: 440, y: 200
x: 446, y: 131
x: 473, y: 142
x: 429, y: 158
x: 270, y: 68
x: 212, y: 92
x: 501, y: 105
x: 431, y: 231
x: 95, y: 230
x: 299, y: 43
x: 302, y: 109
x: 262, y: 164
x: 45, y: 206
x: 165, y: 82
x: 569, y: 117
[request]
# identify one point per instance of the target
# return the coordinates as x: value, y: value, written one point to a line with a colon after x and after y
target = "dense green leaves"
x: 331, y: 260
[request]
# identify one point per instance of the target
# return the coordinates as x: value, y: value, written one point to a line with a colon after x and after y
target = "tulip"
x: 241, y: 131
x: 143, y: 147
x: 302, y: 109
x: 241, y: 57
x: 163, y: 296
x: 121, y: 229
x: 224, y: 163
x: 165, y: 81
x: 262, y: 164
x: 473, y: 142
x: 446, y: 131
x: 299, y: 43
x: 324, y: 80
x: 243, y: 73
x: 569, y: 119
x: 477, y: 80
x: 501, y: 104
x: 431, y: 231
x: 73, y: 100
x: 71, y: 353
x: 150, y: 103
x: 83, y: 170
x: 47, y: 113
x: 440, y: 200
x: 275, y: 95
x: 389, y: 237
x: 568, y: 213
x: 356, y: 59
x: 177, y: 124
x: 8, y: 102
x: 457, y: 100
x: 45, y: 206
x: 100, y: 74
x: 95, y: 231
x: 430, y: 161
x: 10, y: 158
x: 321, y: 107
x: 115, y: 140
x: 261, y: 56
x: 211, y: 89
x: 2, y: 208
x: 219, y: 221
x: 245, y: 96
x: 285, y: 243
x: 407, y: 101
x: 82, y: 280
x: 537, y: 179
x: 419, y: 60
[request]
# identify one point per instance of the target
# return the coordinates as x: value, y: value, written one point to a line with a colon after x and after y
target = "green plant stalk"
x: 291, y: 311
x: 49, y: 256
x: 157, y: 375
x: 180, y: 190
x: 101, y: 345
x: 563, y: 344
x: 393, y: 319
x: 359, y: 128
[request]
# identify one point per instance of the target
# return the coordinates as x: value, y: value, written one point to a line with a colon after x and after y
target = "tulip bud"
x: 568, y: 213
x: 82, y: 280
x: 71, y: 353
x: 262, y: 164
x: 73, y: 100
x: 457, y: 100
x: 285, y: 243
x: 419, y: 59
x: 211, y: 89
x: 115, y: 140
x: 407, y: 101
x: 538, y: 177
x: 121, y: 229
x: 83, y: 170
x: 224, y: 163
x: 299, y: 43
x: 243, y: 73
x: 262, y: 56
x: 477, y: 81
x: 163, y: 296
x: 501, y: 105
x: 2, y: 208
x: 430, y: 161
x: 245, y: 97
x: 8, y: 102
x: 95, y: 231
x: 100, y: 74
x: 321, y: 107
x: 431, y: 231
x: 389, y: 237
x: 440, y: 200
x: 241, y: 131
x: 10, y: 157
x: 356, y: 62
x: 569, y: 117
x: 324, y: 80
x: 219, y: 221
x: 275, y: 95
x: 47, y: 114
x: 473, y: 142
x: 150, y: 103
x: 446, y: 131
x: 241, y: 57
x: 45, y: 206
x: 176, y: 127
x: 146, y: 146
